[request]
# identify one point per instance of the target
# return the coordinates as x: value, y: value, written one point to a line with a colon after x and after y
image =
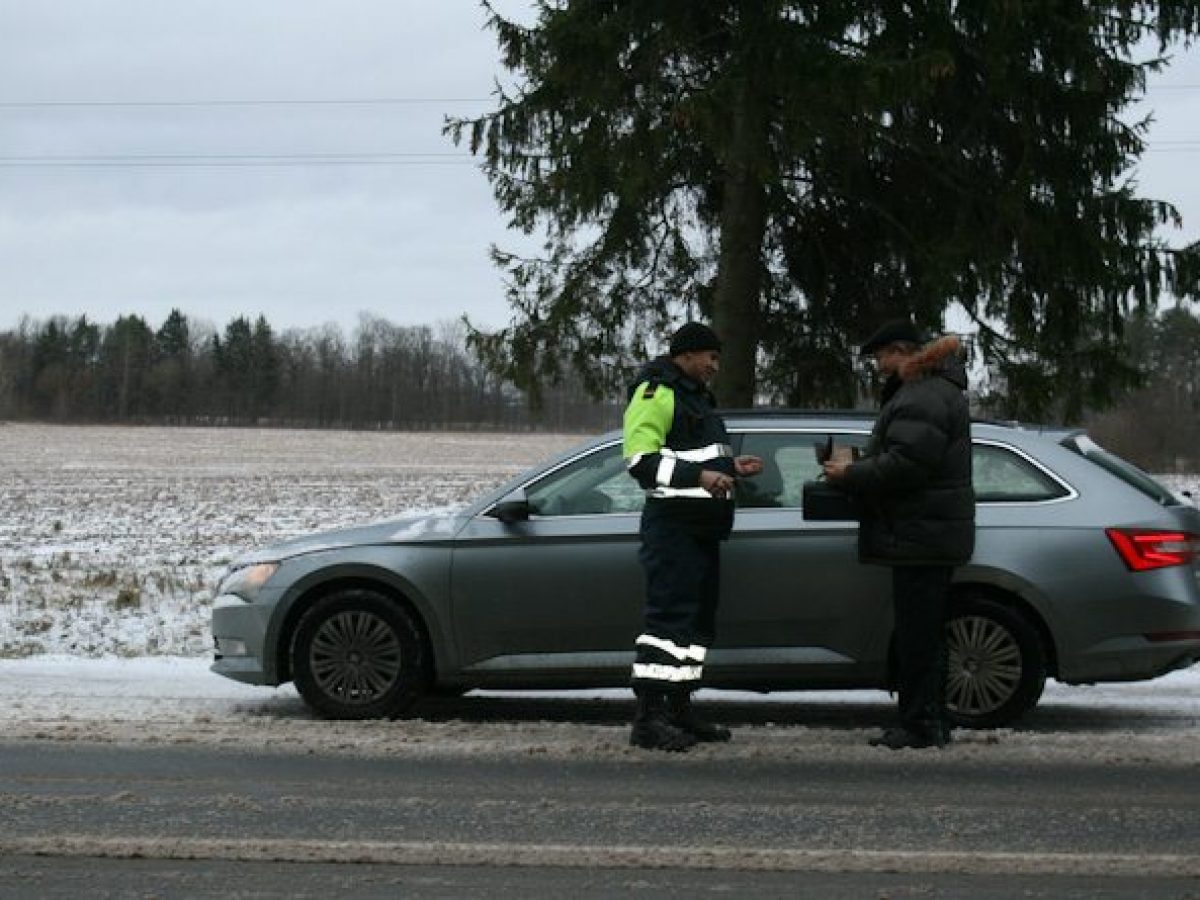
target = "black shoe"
x: 683, y: 716
x: 658, y: 734
x: 904, y: 738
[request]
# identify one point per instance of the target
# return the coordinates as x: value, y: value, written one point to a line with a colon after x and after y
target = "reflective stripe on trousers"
x: 665, y: 662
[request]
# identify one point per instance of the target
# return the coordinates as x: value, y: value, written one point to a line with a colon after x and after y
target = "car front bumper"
x: 239, y: 633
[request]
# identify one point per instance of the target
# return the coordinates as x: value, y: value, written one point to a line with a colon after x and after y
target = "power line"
x: 315, y: 101
x: 247, y: 164
x: 290, y: 160
x: 237, y: 160
x: 171, y: 157
x: 266, y: 101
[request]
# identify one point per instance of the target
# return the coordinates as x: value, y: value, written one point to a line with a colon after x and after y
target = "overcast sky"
x: 188, y: 198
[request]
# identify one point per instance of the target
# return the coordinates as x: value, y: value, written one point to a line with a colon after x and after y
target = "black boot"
x: 915, y: 738
x: 652, y: 728
x: 684, y: 717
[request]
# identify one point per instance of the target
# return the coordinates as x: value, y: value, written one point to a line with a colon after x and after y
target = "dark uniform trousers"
x: 683, y: 576
x: 919, y: 600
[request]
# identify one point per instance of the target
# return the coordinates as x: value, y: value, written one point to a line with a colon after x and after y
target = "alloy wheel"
x: 985, y: 665
x: 355, y: 657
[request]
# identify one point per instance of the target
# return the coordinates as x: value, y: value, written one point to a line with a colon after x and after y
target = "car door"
x: 561, y: 591
x: 796, y: 603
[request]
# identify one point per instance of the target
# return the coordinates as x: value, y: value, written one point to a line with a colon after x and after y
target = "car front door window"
x: 595, y: 484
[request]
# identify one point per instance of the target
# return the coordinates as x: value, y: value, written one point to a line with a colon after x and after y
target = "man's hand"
x: 747, y: 465
x: 835, y: 470
x: 716, y: 483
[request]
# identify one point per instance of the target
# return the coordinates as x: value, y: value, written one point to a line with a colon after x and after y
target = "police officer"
x: 677, y: 448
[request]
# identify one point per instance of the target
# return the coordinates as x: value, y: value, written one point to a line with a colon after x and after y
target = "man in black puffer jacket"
x: 917, y: 512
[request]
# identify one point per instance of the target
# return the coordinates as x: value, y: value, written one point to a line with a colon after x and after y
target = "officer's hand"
x: 748, y: 465
x: 716, y: 483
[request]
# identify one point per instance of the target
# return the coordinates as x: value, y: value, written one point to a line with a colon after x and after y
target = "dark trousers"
x: 683, y: 576
x: 920, y: 600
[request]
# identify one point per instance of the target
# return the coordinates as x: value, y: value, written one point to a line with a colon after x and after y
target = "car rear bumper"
x: 1133, y: 658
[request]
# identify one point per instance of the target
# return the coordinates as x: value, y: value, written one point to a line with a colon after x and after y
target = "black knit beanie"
x: 694, y: 336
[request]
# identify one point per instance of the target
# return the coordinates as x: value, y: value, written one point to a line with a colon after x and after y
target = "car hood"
x: 412, y: 529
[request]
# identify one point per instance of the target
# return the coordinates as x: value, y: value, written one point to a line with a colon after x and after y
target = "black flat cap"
x: 895, y: 331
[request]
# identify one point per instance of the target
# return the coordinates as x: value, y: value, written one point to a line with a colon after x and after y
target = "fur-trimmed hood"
x: 941, y: 356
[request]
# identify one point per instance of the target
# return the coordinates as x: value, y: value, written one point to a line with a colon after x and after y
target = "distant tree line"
x: 385, y: 376
x: 382, y: 376
x: 1158, y: 424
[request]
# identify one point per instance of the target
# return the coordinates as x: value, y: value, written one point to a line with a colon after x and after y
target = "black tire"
x: 996, y: 664
x: 358, y: 655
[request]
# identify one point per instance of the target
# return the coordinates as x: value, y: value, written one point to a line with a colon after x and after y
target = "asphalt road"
x: 208, y: 821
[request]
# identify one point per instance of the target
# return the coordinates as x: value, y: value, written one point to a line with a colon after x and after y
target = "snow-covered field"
x: 111, y: 539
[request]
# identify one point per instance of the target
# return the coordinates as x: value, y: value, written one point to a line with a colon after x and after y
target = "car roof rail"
x: 787, y: 412
x: 1059, y: 431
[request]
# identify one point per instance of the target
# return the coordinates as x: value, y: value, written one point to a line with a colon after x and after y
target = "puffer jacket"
x: 913, y: 484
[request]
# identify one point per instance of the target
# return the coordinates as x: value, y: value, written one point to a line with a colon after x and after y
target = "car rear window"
x: 1121, y: 468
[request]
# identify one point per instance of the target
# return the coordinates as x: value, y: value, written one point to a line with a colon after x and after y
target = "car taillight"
x: 1144, y: 548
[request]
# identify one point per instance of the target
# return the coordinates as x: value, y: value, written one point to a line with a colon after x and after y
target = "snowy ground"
x: 172, y: 700
x: 111, y: 539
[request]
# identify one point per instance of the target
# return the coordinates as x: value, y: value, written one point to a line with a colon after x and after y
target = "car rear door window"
x: 1004, y: 476
x: 789, y: 460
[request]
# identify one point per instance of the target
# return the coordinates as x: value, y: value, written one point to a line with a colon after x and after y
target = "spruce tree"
x: 795, y: 172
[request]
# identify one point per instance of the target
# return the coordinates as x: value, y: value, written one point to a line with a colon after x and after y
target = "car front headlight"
x: 248, y: 579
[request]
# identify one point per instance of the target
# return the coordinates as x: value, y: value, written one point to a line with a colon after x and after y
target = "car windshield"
x: 1123, y: 469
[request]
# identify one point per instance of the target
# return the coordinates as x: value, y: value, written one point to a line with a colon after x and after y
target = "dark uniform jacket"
x: 915, y: 497
x: 672, y: 433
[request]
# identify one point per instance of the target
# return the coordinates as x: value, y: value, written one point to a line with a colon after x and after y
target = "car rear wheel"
x: 996, y: 664
x: 358, y: 655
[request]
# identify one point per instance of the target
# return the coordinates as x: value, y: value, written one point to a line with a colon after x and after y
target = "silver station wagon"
x: 1085, y: 570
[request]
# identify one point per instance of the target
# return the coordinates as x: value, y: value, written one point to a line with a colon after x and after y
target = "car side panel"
x: 1096, y: 611
x: 797, y: 585
x: 543, y: 587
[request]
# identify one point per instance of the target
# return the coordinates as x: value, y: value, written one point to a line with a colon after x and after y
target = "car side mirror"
x: 512, y: 509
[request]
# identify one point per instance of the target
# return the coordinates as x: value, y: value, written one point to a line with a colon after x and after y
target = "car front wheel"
x: 358, y: 655
x: 996, y: 664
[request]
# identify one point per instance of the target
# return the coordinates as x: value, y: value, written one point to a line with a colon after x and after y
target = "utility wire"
x: 237, y: 160
x: 291, y: 160
x: 280, y: 101
x: 317, y: 101
x: 231, y: 164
